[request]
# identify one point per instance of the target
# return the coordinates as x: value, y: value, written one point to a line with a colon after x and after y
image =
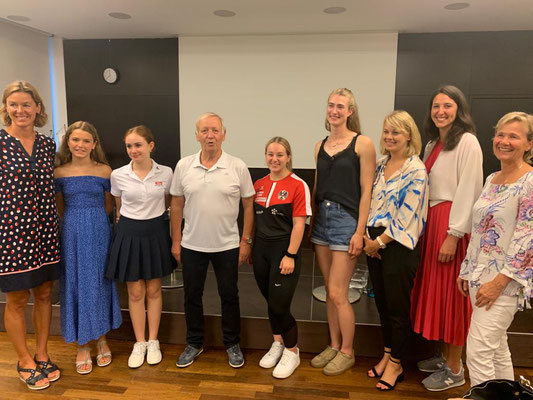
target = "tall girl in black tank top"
x: 346, y: 162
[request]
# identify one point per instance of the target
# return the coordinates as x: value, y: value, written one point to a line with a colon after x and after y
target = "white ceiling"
x: 85, y: 19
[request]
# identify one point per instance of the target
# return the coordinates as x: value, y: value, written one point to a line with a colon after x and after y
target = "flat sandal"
x: 88, y: 361
x: 101, y: 354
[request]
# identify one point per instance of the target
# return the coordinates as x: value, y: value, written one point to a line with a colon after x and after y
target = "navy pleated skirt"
x: 140, y: 250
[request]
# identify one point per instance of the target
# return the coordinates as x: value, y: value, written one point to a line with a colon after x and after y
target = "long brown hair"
x: 64, y: 155
x: 463, y: 120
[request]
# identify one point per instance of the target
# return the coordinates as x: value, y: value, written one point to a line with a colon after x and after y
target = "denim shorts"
x: 333, y: 226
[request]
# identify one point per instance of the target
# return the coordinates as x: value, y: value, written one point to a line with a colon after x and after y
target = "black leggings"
x: 392, y: 279
x: 276, y: 288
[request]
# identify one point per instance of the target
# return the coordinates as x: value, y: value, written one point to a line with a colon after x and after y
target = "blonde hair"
x: 24, y: 87
x: 404, y: 123
x: 207, y: 115
x: 64, y: 155
x: 285, y: 143
x: 527, y: 120
x: 352, y: 122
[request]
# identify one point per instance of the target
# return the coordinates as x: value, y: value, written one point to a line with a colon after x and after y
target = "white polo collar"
x: 156, y: 169
x: 222, y: 162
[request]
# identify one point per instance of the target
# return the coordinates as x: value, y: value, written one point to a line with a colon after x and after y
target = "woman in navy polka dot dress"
x: 29, y: 245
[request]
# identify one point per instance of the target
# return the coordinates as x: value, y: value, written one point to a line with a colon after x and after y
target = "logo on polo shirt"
x: 283, y: 194
x: 158, y: 183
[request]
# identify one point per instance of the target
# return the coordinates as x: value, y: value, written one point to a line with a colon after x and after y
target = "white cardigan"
x: 457, y: 176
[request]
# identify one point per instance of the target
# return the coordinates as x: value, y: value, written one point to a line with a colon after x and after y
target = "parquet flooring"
x: 209, y: 378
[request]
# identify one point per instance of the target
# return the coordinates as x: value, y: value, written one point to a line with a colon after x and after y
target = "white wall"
x: 265, y: 86
x: 25, y: 56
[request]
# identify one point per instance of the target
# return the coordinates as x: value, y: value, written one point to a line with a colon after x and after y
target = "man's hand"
x: 244, y: 252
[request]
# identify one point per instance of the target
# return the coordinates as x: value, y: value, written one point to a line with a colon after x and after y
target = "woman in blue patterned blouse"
x: 397, y: 218
x: 497, y: 272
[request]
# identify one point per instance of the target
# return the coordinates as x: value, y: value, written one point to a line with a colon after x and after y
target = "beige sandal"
x: 88, y: 361
x: 101, y: 354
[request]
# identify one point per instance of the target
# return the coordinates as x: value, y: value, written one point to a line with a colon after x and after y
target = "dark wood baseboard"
x: 313, y: 336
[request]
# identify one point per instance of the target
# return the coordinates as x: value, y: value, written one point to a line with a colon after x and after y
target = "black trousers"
x: 225, y: 264
x: 392, y: 279
x: 277, y: 289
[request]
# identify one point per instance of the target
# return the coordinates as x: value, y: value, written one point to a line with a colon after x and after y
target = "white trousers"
x: 487, y: 352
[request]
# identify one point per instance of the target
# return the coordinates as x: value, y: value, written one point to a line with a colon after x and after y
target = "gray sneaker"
x: 431, y: 364
x: 444, y: 379
x: 235, y: 357
x: 188, y: 356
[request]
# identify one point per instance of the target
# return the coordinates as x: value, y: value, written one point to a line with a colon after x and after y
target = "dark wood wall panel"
x: 493, y: 69
x: 146, y: 93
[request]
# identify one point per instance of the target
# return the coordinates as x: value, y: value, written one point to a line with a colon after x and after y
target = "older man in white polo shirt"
x: 206, y: 190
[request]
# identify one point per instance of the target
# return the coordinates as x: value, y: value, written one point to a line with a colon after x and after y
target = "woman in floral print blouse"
x: 497, y: 272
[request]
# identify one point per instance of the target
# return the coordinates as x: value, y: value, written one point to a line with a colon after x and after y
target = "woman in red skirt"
x: 453, y: 160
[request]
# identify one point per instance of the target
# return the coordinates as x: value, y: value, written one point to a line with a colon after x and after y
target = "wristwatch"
x: 247, y: 240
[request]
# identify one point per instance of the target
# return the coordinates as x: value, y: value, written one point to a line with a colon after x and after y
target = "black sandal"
x: 373, y: 369
x: 35, y: 376
x: 47, y: 367
x: 399, y: 379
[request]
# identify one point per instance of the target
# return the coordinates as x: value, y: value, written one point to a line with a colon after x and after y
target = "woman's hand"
x: 489, y: 292
x: 371, y: 248
x: 448, y: 249
x: 286, y: 266
x: 356, y: 245
x: 462, y: 285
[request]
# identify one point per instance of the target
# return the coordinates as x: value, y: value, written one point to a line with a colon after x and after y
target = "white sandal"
x: 88, y: 361
x: 101, y: 354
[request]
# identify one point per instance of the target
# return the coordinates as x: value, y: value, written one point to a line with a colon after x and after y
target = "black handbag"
x: 501, y: 389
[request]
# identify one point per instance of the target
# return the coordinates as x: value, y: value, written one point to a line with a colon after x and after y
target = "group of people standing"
x: 412, y: 219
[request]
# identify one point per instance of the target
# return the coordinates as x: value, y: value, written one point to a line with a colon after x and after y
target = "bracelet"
x: 290, y: 255
x: 380, y: 242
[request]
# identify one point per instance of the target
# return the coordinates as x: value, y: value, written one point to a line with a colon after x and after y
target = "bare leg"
x: 154, y: 301
x: 324, y: 257
x: 136, y: 295
x: 391, y: 373
x: 381, y: 365
x: 452, y: 354
x: 42, y: 317
x: 15, y: 322
x: 340, y: 273
x: 103, y: 348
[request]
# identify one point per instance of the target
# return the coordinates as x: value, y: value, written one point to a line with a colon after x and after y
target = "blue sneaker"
x: 235, y: 357
x: 188, y: 356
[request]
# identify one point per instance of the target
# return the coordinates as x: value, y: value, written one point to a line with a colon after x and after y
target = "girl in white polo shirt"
x: 140, y: 252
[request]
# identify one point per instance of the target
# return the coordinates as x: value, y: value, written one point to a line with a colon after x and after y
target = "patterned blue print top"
x: 502, y: 238
x: 400, y: 203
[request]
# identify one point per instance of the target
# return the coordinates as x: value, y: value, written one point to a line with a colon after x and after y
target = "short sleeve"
x: 176, y: 186
x: 245, y: 180
x: 106, y: 184
x: 115, y: 189
x: 58, y: 185
x: 301, y: 206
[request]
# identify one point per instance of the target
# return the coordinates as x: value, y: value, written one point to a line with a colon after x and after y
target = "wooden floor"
x: 209, y: 378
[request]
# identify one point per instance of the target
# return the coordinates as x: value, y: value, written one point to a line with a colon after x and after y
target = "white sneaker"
x: 137, y: 355
x: 153, y: 355
x: 286, y: 366
x: 271, y: 358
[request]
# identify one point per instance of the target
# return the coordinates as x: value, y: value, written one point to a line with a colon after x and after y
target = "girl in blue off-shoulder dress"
x: 89, y: 301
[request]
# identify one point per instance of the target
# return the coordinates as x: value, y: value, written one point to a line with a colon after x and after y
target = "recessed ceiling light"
x: 224, y: 13
x: 18, y: 18
x: 119, y: 15
x: 456, y: 6
x: 334, y: 10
